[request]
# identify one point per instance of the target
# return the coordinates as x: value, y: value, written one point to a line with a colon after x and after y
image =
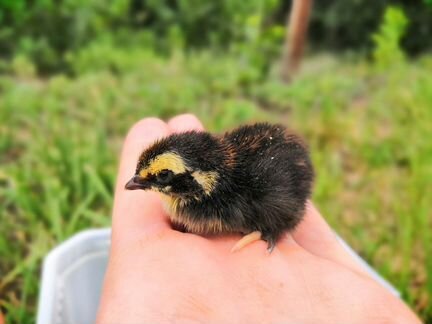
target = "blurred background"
x: 76, y: 74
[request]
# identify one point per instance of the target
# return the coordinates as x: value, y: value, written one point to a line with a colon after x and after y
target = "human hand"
x: 159, y: 275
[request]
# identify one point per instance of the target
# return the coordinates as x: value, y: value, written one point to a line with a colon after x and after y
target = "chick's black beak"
x: 137, y: 183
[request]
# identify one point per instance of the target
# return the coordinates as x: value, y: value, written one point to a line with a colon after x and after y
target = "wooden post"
x: 295, y: 38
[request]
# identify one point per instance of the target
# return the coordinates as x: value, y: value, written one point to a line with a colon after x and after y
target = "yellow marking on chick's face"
x: 166, y: 161
x: 207, y: 180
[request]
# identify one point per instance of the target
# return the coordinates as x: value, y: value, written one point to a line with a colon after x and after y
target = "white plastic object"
x: 72, y: 277
x: 73, y: 272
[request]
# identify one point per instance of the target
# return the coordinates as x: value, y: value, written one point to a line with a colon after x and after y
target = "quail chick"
x: 254, y: 180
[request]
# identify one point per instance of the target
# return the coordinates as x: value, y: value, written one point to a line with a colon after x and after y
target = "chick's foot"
x: 246, y: 240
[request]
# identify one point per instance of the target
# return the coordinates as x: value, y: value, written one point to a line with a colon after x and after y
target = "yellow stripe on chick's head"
x: 166, y: 161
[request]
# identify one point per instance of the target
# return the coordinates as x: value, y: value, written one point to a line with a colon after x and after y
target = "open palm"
x: 159, y: 275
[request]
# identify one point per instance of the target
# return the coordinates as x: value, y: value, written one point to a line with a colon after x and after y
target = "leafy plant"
x: 387, y: 51
x: 347, y: 25
x: 259, y: 47
x: 45, y: 30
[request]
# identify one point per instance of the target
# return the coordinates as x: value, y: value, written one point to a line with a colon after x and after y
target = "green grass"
x: 369, y: 132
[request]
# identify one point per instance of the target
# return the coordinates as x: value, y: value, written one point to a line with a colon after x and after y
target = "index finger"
x: 185, y: 122
x: 137, y: 209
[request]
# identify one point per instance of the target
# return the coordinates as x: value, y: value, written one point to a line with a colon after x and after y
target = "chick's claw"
x: 271, y: 242
x: 246, y: 240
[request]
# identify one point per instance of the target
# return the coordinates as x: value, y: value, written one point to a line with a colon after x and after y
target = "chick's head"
x: 177, y: 166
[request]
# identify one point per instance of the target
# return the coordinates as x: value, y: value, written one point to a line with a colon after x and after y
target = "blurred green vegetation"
x: 74, y: 84
x: 387, y: 40
x: 47, y: 31
x: 342, y: 25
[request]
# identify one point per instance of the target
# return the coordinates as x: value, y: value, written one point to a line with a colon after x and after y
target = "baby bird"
x: 254, y: 180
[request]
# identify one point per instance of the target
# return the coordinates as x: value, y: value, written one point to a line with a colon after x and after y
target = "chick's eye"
x: 164, y: 176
